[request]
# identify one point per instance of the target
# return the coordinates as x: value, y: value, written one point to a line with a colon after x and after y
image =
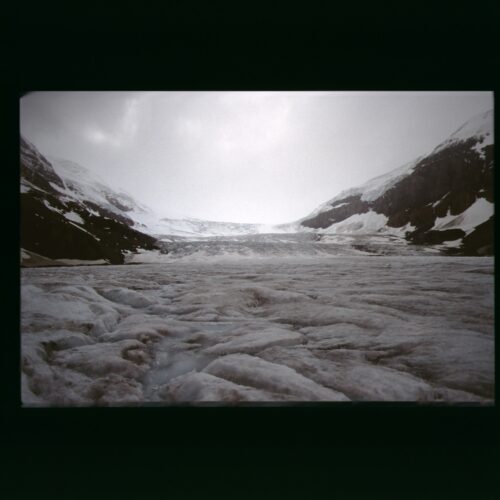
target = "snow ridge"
x: 479, y: 126
x: 85, y: 186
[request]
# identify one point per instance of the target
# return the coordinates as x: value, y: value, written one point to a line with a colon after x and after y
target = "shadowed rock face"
x: 445, y: 182
x: 454, y: 177
x: 36, y: 169
x: 46, y: 228
x: 480, y: 241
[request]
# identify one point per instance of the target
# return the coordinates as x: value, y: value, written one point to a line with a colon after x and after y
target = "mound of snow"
x: 126, y: 357
x: 255, y: 372
x: 199, y: 386
x: 127, y: 297
x: 349, y: 372
x: 49, y: 304
x: 74, y: 217
x: 254, y: 342
x: 142, y: 327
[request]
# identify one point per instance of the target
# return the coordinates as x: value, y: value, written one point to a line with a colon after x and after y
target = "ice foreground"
x: 304, y: 328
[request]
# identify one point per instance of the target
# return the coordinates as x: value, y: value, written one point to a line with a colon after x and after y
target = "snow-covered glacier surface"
x: 305, y: 328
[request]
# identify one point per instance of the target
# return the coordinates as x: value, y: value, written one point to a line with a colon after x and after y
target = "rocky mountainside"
x: 61, y: 219
x: 445, y: 197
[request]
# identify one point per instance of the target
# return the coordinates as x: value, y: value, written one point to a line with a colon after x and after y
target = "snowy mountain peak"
x: 83, y: 184
x: 479, y: 126
x: 370, y: 190
x: 376, y: 187
x: 445, y: 197
x: 71, y: 170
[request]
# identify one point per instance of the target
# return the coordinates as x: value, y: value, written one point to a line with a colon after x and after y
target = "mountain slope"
x: 71, y: 183
x: 84, y: 186
x: 59, y: 221
x: 444, y: 197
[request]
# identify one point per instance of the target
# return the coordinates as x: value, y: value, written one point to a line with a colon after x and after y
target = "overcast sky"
x: 266, y: 157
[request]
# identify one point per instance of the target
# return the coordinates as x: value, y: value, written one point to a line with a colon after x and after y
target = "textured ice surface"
x: 285, y: 246
x: 305, y: 328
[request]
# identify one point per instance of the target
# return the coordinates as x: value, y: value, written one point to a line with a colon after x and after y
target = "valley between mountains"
x: 383, y: 293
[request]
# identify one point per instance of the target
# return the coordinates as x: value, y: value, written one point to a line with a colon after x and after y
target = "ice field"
x: 231, y: 330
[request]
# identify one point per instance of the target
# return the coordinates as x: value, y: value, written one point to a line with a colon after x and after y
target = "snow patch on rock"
x: 366, y: 223
x: 480, y: 211
x: 74, y: 217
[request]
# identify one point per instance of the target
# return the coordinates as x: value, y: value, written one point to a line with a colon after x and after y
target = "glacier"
x: 243, y: 329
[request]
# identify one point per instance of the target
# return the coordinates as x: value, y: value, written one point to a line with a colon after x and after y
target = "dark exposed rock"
x: 36, y: 169
x: 480, y: 242
x: 435, y: 237
x: 103, y: 211
x: 47, y: 230
x: 49, y: 233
